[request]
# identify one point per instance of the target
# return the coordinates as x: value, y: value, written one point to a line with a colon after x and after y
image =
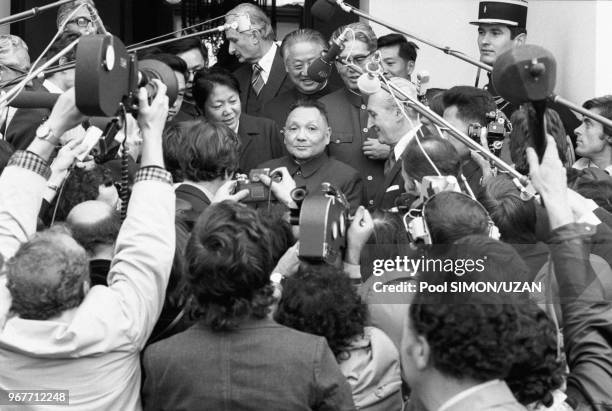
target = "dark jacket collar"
x: 309, y: 167
x: 355, y: 99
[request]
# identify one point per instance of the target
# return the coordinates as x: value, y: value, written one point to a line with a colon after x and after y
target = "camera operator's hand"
x: 281, y: 189
x: 289, y: 263
x: 483, y: 163
x: 226, y: 192
x: 375, y: 150
x: 65, y: 115
x: 357, y: 236
x: 68, y: 154
x: 151, y: 120
x: 550, y: 180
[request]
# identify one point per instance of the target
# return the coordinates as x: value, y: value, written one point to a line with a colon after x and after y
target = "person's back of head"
x: 440, y: 151
x: 204, y: 151
x: 229, y: 261
x: 520, y: 138
x: 450, y: 216
x: 48, y: 275
x: 321, y: 300
x: 94, y: 223
x: 515, y: 217
x: 472, y: 103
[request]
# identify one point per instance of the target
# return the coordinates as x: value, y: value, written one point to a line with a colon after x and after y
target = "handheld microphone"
x: 321, y: 68
x: 368, y: 82
x: 422, y: 80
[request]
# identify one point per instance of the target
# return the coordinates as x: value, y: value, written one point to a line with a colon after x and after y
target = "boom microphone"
x: 368, y: 82
x: 321, y: 68
x: 34, y: 99
x: 323, y: 10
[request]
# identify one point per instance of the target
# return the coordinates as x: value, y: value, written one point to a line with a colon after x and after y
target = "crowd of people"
x: 143, y: 275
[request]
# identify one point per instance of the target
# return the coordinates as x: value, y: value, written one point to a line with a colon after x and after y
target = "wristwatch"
x: 45, y: 133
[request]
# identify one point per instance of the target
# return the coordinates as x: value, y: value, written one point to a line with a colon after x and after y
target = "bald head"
x: 94, y: 223
x: 89, y: 213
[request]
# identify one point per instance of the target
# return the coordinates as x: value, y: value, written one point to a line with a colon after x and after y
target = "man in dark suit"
x: 352, y: 142
x: 299, y: 48
x: 22, y: 128
x: 264, y: 77
x: 397, y: 130
x: 306, y: 136
x: 260, y: 140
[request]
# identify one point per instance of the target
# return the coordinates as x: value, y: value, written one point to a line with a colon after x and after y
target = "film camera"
x: 258, y: 191
x: 323, y: 218
x: 107, y: 77
x: 496, y: 130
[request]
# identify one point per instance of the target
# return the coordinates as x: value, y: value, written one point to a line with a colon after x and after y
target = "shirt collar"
x: 266, y: 61
x: 51, y: 87
x: 464, y: 394
x: 311, y: 166
x: 401, y: 145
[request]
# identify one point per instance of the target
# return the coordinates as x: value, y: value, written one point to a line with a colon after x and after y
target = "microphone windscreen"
x: 525, y: 73
x: 34, y: 99
x: 323, y: 10
x: 423, y: 76
x: 319, y: 70
x: 368, y: 84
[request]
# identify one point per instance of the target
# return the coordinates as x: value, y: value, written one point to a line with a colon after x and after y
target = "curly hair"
x: 46, y: 275
x: 204, y: 151
x: 451, y: 216
x: 321, y: 300
x: 229, y: 262
x: 538, y: 369
x: 80, y: 185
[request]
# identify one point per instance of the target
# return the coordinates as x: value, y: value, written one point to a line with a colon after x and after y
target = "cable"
x: 175, y: 32
x: 58, y: 198
x: 124, y: 168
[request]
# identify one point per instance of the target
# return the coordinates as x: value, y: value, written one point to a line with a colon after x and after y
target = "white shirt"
x: 464, y: 394
x: 266, y: 62
x: 401, y: 145
x: 584, y: 162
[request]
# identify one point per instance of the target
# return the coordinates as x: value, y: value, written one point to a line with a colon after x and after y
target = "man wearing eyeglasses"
x: 307, y: 134
x: 299, y: 48
x: 264, y: 76
x: 77, y: 17
x: 352, y: 141
x: 14, y: 62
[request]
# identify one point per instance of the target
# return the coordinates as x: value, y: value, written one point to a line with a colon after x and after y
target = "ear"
x: 608, y: 138
x: 86, y: 287
x: 520, y: 39
x: 420, y: 352
x: 255, y: 37
x: 410, y: 67
x: 328, y: 135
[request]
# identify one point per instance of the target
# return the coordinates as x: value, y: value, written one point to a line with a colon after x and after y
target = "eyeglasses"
x: 359, y: 59
x: 80, y: 21
x: 16, y: 69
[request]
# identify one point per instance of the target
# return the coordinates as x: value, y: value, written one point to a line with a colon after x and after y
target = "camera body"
x: 258, y: 191
x: 496, y: 130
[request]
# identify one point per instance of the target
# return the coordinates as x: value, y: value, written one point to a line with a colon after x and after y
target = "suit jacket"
x: 496, y: 397
x: 22, y: 129
x: 348, y: 119
x: 261, y: 365
x: 392, y: 188
x: 323, y: 169
x: 278, y: 81
x: 260, y: 141
x: 278, y: 108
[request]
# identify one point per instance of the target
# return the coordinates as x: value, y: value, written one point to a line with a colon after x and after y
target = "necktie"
x: 390, y: 162
x: 257, y: 81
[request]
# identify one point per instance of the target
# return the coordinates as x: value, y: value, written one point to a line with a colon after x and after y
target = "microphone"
x: 422, y: 80
x: 368, y: 82
x: 526, y: 73
x: 34, y: 99
x: 321, y: 68
x: 323, y: 10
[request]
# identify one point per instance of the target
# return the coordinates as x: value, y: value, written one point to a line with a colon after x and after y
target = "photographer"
x: 56, y: 327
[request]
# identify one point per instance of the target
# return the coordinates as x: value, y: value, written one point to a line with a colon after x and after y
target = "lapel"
x: 275, y: 79
x: 246, y: 131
